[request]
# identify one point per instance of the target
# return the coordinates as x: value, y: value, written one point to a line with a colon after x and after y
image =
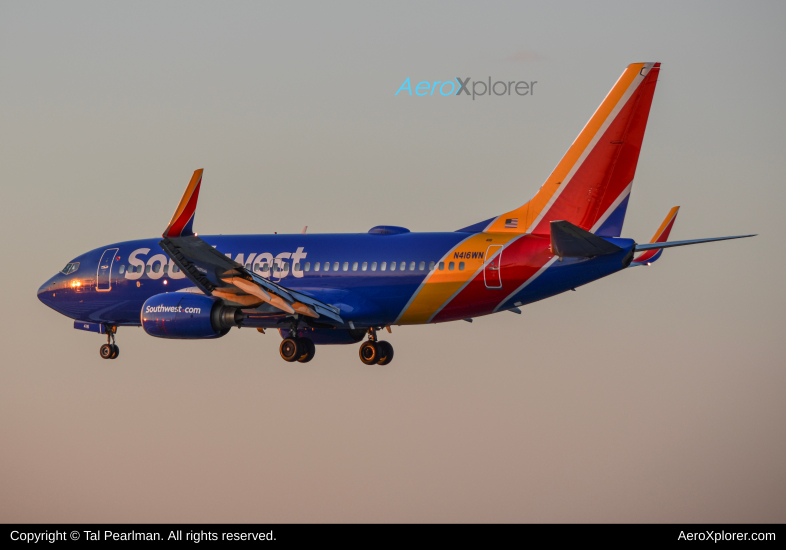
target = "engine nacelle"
x: 326, y: 336
x: 188, y: 316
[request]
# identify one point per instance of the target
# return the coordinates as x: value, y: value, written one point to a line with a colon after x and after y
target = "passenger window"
x: 308, y: 266
x: 461, y: 266
x: 297, y: 266
x: 451, y: 265
x: 431, y: 266
x: 166, y: 268
x: 346, y: 266
x: 256, y: 267
x: 335, y: 266
x: 384, y: 266
x: 373, y: 266
x: 156, y: 267
x: 403, y: 266
x: 316, y: 267
x: 265, y: 267
x: 392, y: 266
x: 442, y: 266
x: 364, y: 266
x: 147, y: 269
x: 412, y: 266
x: 422, y: 266
x: 354, y: 266
x: 248, y: 266
x: 122, y: 269
x: 175, y: 269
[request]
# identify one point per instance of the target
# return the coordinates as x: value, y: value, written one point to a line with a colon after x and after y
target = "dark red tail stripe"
x: 609, y: 167
x: 520, y: 261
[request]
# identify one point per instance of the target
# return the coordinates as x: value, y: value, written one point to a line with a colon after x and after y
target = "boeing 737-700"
x: 319, y: 289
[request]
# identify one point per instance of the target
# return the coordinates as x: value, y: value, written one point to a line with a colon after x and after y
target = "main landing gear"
x: 297, y: 349
x: 375, y: 352
x: 110, y: 350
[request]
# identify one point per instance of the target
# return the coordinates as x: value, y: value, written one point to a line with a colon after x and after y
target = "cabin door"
x: 104, y: 276
x: 491, y: 273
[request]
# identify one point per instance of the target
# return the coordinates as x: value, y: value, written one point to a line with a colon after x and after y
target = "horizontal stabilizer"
x: 656, y: 246
x: 570, y: 241
x: 661, y: 236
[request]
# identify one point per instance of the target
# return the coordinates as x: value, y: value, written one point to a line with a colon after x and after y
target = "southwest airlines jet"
x: 344, y: 288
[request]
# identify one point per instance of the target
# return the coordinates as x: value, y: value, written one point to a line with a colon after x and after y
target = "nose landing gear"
x: 375, y: 352
x: 110, y: 350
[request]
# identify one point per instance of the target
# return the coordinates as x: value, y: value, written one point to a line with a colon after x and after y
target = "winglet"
x: 661, y: 235
x: 181, y: 224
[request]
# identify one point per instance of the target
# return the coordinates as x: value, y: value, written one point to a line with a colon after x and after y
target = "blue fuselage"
x: 111, y: 283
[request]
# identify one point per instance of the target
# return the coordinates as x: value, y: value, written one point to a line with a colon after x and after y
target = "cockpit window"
x: 70, y: 268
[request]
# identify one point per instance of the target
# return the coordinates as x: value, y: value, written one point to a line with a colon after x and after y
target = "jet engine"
x: 188, y: 316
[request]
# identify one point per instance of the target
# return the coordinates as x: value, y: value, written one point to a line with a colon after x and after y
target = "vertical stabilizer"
x: 591, y: 184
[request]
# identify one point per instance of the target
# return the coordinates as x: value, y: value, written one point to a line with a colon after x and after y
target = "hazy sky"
x: 654, y: 395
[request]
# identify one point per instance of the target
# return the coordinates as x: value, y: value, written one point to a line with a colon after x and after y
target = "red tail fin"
x: 590, y: 185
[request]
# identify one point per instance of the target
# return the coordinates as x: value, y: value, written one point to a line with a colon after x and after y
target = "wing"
x: 215, y: 274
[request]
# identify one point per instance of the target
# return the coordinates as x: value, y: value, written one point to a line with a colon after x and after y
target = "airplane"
x: 322, y: 289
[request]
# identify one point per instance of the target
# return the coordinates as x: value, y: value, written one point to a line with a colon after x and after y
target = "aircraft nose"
x: 47, y: 291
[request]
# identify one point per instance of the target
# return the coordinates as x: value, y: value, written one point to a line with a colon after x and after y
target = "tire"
x: 290, y: 349
x: 106, y: 351
x: 309, y: 349
x: 369, y: 353
x: 385, y: 353
x: 115, y: 351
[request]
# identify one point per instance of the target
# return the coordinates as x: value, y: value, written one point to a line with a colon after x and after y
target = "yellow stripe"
x: 186, y: 196
x: 527, y: 213
x: 441, y: 285
x: 666, y: 222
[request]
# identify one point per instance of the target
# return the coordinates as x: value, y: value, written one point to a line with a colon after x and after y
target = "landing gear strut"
x: 110, y: 350
x: 375, y: 352
x: 297, y: 348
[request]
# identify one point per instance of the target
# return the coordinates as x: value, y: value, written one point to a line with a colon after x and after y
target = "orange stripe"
x: 527, y: 213
x: 665, y: 224
x: 440, y: 286
x: 186, y: 197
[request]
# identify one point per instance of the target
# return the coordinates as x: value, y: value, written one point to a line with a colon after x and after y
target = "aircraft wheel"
x: 309, y: 349
x: 115, y: 351
x: 385, y: 352
x: 290, y: 349
x: 106, y: 351
x: 369, y: 353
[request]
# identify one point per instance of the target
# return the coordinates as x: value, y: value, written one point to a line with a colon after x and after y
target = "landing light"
x: 75, y: 284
